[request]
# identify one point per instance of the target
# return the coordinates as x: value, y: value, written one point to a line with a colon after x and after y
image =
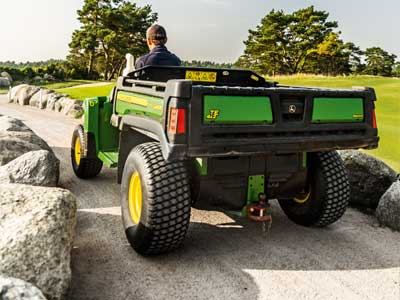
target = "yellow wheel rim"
x: 303, y: 198
x: 77, y: 151
x: 135, y: 198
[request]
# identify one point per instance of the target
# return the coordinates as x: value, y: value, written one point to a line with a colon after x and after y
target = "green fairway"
x: 81, y: 93
x: 65, y: 84
x: 387, y: 107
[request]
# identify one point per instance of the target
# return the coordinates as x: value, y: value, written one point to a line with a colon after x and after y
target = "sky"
x: 33, y: 30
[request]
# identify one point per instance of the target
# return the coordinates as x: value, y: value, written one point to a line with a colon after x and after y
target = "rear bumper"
x: 283, y: 145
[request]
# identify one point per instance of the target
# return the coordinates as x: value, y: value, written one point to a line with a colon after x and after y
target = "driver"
x: 159, y: 54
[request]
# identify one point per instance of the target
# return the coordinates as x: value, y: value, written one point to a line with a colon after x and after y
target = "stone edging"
x: 43, y: 98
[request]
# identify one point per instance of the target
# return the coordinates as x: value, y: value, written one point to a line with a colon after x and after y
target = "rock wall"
x: 45, y: 99
x: 37, y: 220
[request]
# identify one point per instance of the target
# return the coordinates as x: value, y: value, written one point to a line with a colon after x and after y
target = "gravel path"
x: 222, y: 258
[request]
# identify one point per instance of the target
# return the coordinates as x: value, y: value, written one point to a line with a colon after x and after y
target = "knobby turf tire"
x: 166, y: 201
x: 88, y: 167
x: 330, y: 192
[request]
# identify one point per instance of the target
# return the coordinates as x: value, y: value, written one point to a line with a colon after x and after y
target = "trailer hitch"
x: 261, y: 212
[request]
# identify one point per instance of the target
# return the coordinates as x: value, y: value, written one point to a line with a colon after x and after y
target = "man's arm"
x: 139, y: 63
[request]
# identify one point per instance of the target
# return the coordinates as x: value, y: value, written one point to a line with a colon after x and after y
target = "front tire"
x: 326, y: 199
x: 84, y: 167
x: 155, y: 200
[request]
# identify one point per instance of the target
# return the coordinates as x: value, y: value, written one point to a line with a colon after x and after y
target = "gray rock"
x: 17, y: 289
x: 10, y: 124
x: 75, y: 111
x: 69, y: 107
x: 388, y: 211
x: 59, y: 105
x: 13, y: 93
x: 37, y: 230
x: 4, y: 82
x: 52, y: 100
x: 39, y: 168
x: 17, y: 139
x: 49, y: 77
x: 24, y: 94
x: 6, y: 75
x: 39, y: 99
x: 369, y: 178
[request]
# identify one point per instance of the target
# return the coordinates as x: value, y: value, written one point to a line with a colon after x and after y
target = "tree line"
x: 305, y: 41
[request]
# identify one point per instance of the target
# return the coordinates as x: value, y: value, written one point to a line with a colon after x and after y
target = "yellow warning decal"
x: 133, y: 100
x: 201, y: 76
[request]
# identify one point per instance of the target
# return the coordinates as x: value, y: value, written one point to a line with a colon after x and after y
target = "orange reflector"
x: 177, y: 121
x: 374, y: 119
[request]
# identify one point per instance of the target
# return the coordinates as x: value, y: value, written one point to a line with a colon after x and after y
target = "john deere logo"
x: 292, y: 109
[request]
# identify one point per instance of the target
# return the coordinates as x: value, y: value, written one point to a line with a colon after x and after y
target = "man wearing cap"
x: 159, y: 54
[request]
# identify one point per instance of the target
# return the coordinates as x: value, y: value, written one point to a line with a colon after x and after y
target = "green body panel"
x: 110, y: 159
x: 98, y: 113
x: 237, y: 110
x: 138, y: 104
x: 327, y: 110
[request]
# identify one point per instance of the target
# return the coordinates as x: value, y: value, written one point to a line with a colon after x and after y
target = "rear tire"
x: 164, y: 205
x: 328, y: 195
x: 84, y: 167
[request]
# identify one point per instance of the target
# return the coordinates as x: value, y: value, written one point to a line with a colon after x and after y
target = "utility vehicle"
x: 226, y: 139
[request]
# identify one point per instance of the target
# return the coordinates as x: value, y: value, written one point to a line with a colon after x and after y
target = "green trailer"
x: 219, y: 139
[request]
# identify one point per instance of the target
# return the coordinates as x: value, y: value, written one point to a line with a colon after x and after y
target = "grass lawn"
x: 81, y: 93
x: 65, y: 84
x: 387, y: 108
x: 57, y: 85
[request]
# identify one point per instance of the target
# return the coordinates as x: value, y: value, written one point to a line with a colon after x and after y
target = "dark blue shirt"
x: 159, y: 56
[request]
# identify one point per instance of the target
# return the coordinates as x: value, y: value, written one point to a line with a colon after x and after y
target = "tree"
x: 379, y: 62
x: 109, y: 30
x: 283, y: 42
x: 396, y: 69
x: 334, y: 57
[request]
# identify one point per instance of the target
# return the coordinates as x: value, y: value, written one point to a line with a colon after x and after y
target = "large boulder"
x: 369, y: 178
x: 39, y: 168
x: 25, y: 93
x: 16, y: 139
x: 13, y: 92
x: 10, y: 124
x: 49, y: 77
x: 6, y: 75
x: 388, y: 211
x: 4, y: 82
x: 40, y: 98
x: 37, y: 230
x: 69, y: 107
x: 52, y: 100
x: 16, y: 289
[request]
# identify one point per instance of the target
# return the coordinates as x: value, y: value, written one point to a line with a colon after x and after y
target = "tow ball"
x: 261, y: 211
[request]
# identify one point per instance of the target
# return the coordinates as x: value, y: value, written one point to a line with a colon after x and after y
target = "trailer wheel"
x: 155, y: 200
x: 327, y: 197
x: 83, y: 167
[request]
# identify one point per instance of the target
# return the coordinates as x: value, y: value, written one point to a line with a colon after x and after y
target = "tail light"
x: 374, y: 119
x: 177, y: 121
